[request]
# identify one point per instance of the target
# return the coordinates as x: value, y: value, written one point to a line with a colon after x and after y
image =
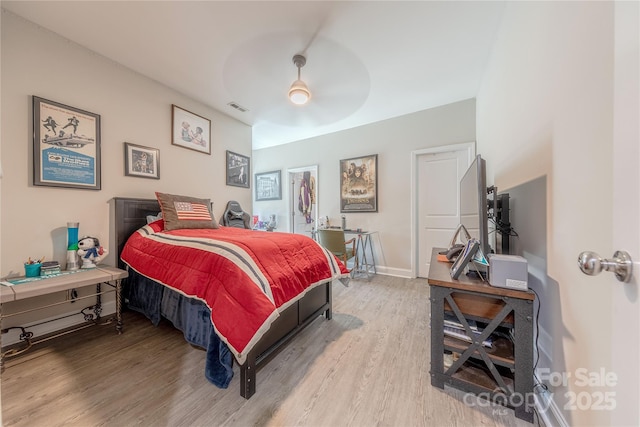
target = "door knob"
x: 621, y: 265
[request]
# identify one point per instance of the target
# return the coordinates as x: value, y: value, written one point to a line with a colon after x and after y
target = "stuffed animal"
x: 90, y: 251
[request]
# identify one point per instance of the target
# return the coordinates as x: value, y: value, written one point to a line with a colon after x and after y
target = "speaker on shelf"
x: 508, y: 271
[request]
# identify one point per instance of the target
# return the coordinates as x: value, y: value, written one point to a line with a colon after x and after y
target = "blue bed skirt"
x: 190, y: 316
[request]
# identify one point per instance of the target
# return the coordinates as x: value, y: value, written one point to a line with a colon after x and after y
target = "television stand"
x: 502, y: 373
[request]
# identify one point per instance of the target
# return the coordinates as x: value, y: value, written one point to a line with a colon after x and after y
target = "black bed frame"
x: 129, y: 214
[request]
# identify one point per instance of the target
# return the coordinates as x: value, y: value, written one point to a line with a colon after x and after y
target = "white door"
x: 625, y: 334
x: 437, y: 178
x: 303, y: 200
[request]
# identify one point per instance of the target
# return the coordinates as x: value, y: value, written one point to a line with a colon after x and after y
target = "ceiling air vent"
x: 237, y: 107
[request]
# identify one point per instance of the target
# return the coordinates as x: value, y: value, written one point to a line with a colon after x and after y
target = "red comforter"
x: 245, y: 277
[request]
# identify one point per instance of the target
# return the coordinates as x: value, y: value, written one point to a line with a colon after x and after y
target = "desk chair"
x: 335, y: 242
x: 234, y: 216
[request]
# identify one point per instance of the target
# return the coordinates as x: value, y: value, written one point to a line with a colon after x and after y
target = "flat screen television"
x: 473, y: 203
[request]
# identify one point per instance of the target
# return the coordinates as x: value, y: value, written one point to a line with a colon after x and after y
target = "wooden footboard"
x: 130, y: 214
x: 291, y: 321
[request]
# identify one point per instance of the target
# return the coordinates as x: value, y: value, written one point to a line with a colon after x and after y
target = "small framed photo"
x: 268, y: 186
x: 359, y: 184
x: 66, y: 146
x: 238, y: 170
x: 190, y: 130
x: 141, y: 161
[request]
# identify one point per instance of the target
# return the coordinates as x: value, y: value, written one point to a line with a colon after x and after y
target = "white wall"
x: 132, y: 107
x: 393, y: 141
x: 545, y: 115
x: 1, y: 171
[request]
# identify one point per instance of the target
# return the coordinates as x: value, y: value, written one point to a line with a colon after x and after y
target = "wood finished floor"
x: 368, y: 366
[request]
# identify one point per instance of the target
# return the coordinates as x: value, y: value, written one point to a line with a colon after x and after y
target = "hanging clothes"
x: 306, y: 196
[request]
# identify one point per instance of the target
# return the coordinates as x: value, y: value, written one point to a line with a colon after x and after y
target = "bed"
x: 203, y: 304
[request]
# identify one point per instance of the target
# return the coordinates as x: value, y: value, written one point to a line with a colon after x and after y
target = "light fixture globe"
x: 299, y: 93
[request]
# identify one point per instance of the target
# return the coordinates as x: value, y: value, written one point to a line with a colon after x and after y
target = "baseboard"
x: 395, y: 272
x: 548, y: 411
x: 54, y: 324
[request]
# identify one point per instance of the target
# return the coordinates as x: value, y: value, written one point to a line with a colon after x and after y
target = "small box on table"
x: 508, y: 271
x: 49, y: 268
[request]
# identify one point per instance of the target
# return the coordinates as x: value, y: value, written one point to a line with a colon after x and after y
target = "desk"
x: 364, y: 265
x: 109, y: 276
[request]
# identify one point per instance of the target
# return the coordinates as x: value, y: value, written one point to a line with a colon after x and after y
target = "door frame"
x: 470, y: 147
x: 625, y: 305
x: 291, y: 198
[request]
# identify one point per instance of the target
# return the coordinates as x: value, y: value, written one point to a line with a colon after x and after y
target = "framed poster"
x: 268, y: 186
x: 238, y: 169
x: 66, y: 146
x: 190, y: 130
x: 359, y: 184
x: 141, y: 161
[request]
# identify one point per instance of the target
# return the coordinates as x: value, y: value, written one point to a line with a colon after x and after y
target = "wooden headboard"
x: 130, y: 215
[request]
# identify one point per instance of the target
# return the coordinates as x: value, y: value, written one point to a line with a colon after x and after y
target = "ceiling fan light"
x: 299, y: 93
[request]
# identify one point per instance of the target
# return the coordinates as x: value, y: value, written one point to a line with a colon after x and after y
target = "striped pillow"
x: 185, y: 212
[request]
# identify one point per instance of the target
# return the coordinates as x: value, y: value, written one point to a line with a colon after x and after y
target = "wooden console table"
x: 502, y: 373
x: 21, y: 288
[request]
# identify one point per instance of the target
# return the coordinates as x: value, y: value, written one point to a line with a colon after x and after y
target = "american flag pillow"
x: 192, y: 211
x: 185, y: 212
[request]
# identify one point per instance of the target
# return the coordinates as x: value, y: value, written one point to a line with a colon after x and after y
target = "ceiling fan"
x: 299, y: 93
x: 334, y: 85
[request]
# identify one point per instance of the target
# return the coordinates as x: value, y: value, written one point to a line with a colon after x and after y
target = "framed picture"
x: 66, y: 146
x: 238, y: 170
x: 141, y: 161
x: 359, y: 184
x: 190, y: 130
x: 268, y: 186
